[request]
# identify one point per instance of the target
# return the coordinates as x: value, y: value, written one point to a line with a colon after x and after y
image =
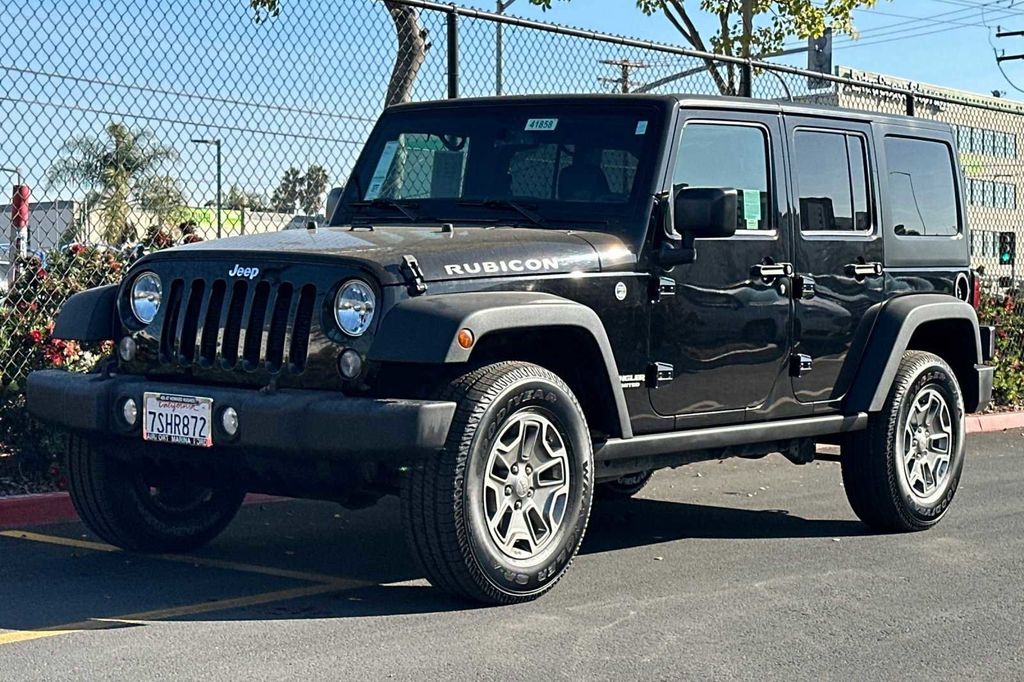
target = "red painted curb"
x: 38, y: 510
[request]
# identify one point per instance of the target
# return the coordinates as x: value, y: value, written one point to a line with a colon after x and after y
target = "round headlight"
x: 146, y: 294
x: 354, y: 306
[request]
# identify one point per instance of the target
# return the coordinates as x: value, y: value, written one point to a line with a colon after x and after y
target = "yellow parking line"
x: 29, y: 635
x: 180, y: 558
x: 144, y: 617
x: 55, y: 540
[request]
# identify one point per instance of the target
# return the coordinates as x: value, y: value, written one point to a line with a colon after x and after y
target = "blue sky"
x: 945, y: 42
x: 305, y: 87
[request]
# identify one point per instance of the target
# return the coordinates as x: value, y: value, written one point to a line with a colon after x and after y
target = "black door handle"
x: 770, y: 271
x: 862, y: 270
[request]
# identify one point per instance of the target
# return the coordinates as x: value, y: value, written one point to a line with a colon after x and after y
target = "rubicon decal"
x: 496, y: 266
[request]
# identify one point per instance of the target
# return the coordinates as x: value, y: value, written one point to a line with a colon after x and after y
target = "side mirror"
x: 333, y: 197
x: 705, y: 212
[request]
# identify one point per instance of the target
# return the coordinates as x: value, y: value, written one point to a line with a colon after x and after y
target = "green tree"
x: 238, y: 199
x: 286, y: 197
x: 298, y: 192
x: 120, y: 171
x: 774, y: 22
x: 314, y: 189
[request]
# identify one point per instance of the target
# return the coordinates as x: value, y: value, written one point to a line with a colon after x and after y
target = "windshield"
x: 511, y: 163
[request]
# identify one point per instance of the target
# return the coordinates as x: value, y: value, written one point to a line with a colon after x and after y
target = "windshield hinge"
x: 662, y: 287
x: 413, y: 275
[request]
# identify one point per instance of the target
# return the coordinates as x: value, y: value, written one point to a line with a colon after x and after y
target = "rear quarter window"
x: 922, y: 188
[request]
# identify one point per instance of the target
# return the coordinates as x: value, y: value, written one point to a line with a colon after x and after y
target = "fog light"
x: 126, y: 349
x: 350, y: 364
x: 130, y: 411
x: 229, y: 420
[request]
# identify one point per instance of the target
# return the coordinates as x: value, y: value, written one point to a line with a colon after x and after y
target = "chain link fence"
x: 136, y: 125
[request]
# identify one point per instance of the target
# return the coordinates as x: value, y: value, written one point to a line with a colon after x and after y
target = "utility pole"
x: 624, y: 83
x: 746, y: 84
x: 1008, y: 34
x: 499, y: 49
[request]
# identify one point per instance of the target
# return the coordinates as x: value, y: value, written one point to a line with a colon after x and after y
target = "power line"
x: 912, y: 23
x: 176, y: 93
x: 194, y: 124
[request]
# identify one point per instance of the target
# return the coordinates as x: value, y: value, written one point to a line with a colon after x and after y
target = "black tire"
x: 881, y: 490
x: 446, y: 500
x: 121, y: 507
x: 623, y: 488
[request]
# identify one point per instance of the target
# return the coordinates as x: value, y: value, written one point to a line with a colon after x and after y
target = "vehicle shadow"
x: 638, y: 522
x: 364, y: 549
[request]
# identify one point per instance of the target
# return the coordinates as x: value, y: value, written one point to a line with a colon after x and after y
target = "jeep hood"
x: 464, y: 253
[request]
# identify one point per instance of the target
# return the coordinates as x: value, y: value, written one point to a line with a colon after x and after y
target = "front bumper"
x: 298, y: 423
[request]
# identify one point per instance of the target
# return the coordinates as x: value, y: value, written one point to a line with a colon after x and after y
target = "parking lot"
x: 739, y: 569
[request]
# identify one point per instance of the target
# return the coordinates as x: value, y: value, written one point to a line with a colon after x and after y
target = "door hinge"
x: 659, y: 374
x: 413, y: 276
x: 800, y: 364
x: 662, y: 287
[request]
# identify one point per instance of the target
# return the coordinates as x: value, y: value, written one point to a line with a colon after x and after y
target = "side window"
x: 832, y: 179
x: 728, y: 156
x: 922, y: 191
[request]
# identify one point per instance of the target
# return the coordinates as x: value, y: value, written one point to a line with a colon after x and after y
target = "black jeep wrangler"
x: 519, y: 305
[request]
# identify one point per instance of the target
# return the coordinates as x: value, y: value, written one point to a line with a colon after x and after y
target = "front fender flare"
x: 423, y: 330
x: 89, y: 315
x: 890, y: 337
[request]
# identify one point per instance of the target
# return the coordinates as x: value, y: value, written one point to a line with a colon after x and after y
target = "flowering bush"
x: 30, y: 306
x: 1006, y: 312
x: 27, y: 313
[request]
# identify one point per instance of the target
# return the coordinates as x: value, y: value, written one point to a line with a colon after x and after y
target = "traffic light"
x: 1007, y: 248
x: 819, y: 58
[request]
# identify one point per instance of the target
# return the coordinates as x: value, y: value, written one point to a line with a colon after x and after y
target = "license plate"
x: 177, y: 419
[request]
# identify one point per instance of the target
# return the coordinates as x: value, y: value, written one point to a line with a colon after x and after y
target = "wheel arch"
x: 935, y: 323
x: 564, y: 336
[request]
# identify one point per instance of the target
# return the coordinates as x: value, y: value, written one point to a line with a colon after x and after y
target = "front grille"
x: 237, y: 325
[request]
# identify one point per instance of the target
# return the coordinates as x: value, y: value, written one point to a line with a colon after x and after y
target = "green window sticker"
x: 751, y: 208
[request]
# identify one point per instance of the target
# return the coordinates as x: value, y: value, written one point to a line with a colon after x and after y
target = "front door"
x: 726, y: 330
x: 837, y: 250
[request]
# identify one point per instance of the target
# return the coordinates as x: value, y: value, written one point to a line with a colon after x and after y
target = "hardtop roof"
x: 697, y: 102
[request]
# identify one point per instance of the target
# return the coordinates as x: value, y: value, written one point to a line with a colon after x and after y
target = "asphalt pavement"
x: 733, y: 570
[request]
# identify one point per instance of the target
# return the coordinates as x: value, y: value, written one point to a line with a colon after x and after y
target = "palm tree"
x: 121, y: 171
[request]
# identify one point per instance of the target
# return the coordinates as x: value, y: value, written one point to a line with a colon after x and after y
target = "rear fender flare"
x: 894, y: 327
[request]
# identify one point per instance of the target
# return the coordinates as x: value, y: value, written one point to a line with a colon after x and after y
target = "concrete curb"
x: 996, y: 421
x: 19, y: 511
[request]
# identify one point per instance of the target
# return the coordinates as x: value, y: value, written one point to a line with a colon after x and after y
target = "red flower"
x: 41, y: 273
x: 35, y: 335
x: 77, y: 249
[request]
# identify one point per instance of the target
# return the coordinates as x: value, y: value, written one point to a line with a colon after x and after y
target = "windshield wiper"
x: 506, y: 204
x: 389, y: 203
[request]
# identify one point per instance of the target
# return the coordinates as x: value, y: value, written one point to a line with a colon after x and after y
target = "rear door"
x: 837, y: 248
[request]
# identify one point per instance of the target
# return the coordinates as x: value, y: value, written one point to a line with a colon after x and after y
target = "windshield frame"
x: 627, y: 218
